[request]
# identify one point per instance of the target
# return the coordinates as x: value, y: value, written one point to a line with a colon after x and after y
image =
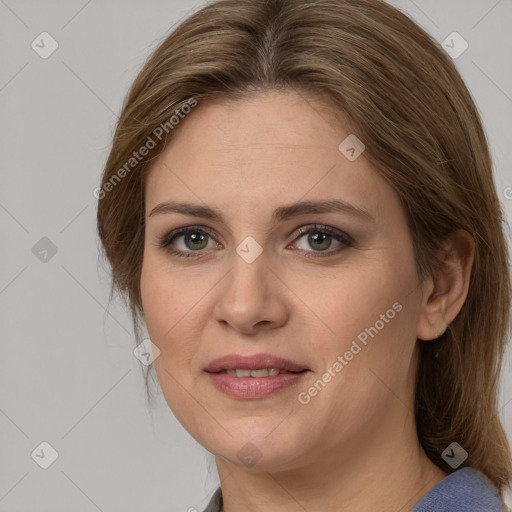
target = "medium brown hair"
x: 422, y: 133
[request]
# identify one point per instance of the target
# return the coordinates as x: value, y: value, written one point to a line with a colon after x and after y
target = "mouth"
x: 253, y: 377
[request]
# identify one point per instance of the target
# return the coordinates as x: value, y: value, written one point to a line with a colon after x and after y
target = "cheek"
x: 366, y: 300
x: 372, y: 314
x: 166, y: 302
x: 173, y: 331
x: 158, y: 304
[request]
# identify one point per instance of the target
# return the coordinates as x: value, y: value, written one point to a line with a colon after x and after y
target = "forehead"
x: 265, y: 150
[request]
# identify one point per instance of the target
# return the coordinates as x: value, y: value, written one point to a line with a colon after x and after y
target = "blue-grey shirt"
x: 465, y: 490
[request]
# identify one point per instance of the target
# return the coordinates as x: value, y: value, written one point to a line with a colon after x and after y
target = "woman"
x: 299, y: 204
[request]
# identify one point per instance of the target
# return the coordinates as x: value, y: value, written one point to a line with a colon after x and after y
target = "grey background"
x: 68, y: 373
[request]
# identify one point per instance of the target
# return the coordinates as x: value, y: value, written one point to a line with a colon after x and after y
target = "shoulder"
x: 465, y: 490
x: 215, y: 504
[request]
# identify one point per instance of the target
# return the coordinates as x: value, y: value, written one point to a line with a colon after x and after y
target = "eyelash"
x: 346, y: 240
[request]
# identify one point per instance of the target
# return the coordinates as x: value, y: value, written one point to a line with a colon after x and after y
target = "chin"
x: 255, y: 443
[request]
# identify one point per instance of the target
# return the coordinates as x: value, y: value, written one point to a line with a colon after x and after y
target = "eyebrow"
x: 280, y: 214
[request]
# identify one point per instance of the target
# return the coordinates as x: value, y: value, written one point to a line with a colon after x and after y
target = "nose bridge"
x: 250, y: 295
x: 247, y: 281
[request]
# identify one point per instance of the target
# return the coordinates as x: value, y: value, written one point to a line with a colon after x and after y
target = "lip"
x: 252, y: 388
x: 254, y: 362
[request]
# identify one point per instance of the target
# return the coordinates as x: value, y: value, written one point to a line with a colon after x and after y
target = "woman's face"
x: 258, y: 283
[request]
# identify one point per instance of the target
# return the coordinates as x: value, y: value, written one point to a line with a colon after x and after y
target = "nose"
x: 251, y: 298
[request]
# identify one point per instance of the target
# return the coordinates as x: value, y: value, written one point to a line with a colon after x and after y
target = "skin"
x: 354, y: 445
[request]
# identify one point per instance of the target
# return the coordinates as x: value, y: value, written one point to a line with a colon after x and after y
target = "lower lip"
x: 251, y: 388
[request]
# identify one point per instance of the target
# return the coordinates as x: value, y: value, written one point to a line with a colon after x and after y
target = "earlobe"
x: 448, y: 288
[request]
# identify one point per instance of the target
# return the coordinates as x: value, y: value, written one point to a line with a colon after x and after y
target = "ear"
x: 446, y: 290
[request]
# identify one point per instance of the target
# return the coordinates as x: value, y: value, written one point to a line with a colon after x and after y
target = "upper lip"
x: 254, y: 362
